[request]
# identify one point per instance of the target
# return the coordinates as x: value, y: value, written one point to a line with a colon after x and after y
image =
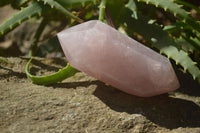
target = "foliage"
x: 62, y: 74
x: 178, y: 39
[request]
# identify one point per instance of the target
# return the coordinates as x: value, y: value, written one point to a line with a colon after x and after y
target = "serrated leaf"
x: 23, y: 15
x: 163, y: 42
x: 132, y: 5
x: 174, y: 8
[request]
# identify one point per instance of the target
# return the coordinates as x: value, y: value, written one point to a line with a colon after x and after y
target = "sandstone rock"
x: 88, y: 105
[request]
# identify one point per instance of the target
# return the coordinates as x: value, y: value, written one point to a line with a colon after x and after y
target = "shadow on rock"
x: 42, y: 66
x: 188, y: 85
x: 162, y: 110
x: 12, y: 73
x: 74, y: 85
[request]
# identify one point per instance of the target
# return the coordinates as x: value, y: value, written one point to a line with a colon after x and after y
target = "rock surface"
x: 82, y: 104
x: 114, y: 58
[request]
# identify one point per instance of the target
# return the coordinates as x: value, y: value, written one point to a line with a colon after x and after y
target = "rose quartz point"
x: 114, y: 58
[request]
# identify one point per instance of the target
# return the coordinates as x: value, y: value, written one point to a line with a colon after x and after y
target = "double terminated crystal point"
x: 114, y: 58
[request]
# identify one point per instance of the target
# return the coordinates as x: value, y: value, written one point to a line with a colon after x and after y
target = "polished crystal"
x: 116, y: 59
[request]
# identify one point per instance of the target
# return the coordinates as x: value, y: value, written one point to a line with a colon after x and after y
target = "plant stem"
x: 102, y: 8
x: 37, y: 37
x: 59, y: 7
x: 109, y: 19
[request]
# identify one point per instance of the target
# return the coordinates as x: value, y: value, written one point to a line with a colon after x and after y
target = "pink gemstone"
x: 114, y: 58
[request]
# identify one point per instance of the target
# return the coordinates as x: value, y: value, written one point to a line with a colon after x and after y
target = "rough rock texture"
x: 83, y: 104
x: 114, y: 58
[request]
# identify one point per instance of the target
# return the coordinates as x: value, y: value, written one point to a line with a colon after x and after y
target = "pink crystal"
x: 114, y: 58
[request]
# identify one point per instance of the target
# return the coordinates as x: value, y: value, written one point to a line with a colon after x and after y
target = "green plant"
x: 62, y: 74
x: 178, y: 39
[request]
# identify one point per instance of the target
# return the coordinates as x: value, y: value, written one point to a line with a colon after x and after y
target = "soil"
x: 82, y: 104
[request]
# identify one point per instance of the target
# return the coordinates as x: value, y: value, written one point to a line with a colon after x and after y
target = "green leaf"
x: 161, y: 40
x: 188, y: 5
x: 76, y: 3
x: 59, y: 7
x: 62, y: 74
x: 19, y: 3
x: 35, y: 9
x: 171, y: 6
x: 132, y: 5
x: 186, y: 46
x: 115, y: 8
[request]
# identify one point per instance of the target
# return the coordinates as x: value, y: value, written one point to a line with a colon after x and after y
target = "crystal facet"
x: 114, y: 58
